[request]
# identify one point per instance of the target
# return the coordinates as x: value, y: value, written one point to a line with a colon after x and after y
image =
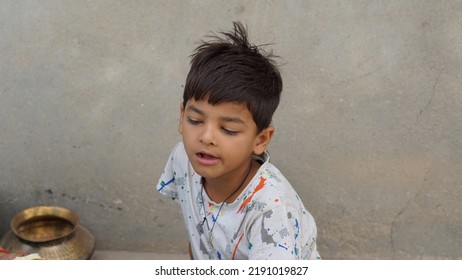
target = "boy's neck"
x: 220, y: 189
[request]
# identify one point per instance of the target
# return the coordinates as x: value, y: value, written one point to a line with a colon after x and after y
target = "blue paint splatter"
x: 298, y: 229
x: 296, y: 236
x: 163, y: 184
x: 284, y: 247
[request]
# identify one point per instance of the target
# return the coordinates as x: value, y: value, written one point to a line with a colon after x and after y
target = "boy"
x: 236, y: 205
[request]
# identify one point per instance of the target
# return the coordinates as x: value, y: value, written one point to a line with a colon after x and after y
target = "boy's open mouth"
x: 206, y: 156
x: 207, y: 159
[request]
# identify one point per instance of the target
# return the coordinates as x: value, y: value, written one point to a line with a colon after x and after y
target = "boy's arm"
x: 166, y: 184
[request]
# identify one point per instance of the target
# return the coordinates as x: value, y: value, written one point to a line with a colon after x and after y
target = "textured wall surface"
x: 369, y: 130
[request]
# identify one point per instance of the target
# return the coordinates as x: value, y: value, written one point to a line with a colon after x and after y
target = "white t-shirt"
x: 266, y: 221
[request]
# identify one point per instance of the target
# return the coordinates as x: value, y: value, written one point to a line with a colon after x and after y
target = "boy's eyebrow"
x: 232, y: 119
x: 195, y: 109
x: 225, y: 119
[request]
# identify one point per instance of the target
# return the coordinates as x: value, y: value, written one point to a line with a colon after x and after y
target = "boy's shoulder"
x: 270, y: 175
x: 178, y: 154
x: 269, y: 189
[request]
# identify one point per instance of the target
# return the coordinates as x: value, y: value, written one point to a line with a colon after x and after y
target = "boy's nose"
x: 208, y: 136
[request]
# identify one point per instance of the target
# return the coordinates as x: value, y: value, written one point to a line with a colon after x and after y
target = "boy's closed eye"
x: 194, y: 121
x: 230, y: 132
x: 225, y: 130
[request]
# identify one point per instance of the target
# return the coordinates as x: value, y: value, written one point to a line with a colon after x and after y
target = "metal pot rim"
x: 43, y: 212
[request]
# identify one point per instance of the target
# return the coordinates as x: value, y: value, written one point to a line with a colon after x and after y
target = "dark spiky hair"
x: 230, y: 69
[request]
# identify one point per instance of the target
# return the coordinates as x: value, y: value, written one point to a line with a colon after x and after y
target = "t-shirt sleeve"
x: 166, y: 184
x: 276, y: 235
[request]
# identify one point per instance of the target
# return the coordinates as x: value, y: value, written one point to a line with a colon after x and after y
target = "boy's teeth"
x: 206, y: 156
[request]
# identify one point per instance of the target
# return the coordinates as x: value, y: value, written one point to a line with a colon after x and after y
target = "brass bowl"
x: 52, y: 232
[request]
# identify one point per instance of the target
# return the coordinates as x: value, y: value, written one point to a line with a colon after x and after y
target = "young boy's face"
x: 220, y: 139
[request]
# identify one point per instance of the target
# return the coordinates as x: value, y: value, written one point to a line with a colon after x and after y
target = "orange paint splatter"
x: 235, y: 248
x: 259, y: 187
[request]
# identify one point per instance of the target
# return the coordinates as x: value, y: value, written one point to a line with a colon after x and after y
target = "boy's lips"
x: 207, y: 158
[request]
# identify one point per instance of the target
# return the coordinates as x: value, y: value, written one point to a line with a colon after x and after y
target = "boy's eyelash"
x: 229, y: 132
x: 193, y: 121
x: 225, y: 130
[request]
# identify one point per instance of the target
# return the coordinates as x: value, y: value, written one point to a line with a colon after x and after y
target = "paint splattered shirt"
x: 267, y: 220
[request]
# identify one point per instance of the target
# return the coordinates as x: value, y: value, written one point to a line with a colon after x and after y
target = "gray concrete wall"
x: 369, y: 130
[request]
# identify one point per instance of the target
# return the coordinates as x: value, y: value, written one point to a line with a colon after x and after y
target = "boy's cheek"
x: 180, y: 122
x: 180, y: 128
x: 180, y: 125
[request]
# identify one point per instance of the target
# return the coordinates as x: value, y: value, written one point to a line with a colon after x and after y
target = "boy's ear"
x: 180, y: 124
x: 263, y: 139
